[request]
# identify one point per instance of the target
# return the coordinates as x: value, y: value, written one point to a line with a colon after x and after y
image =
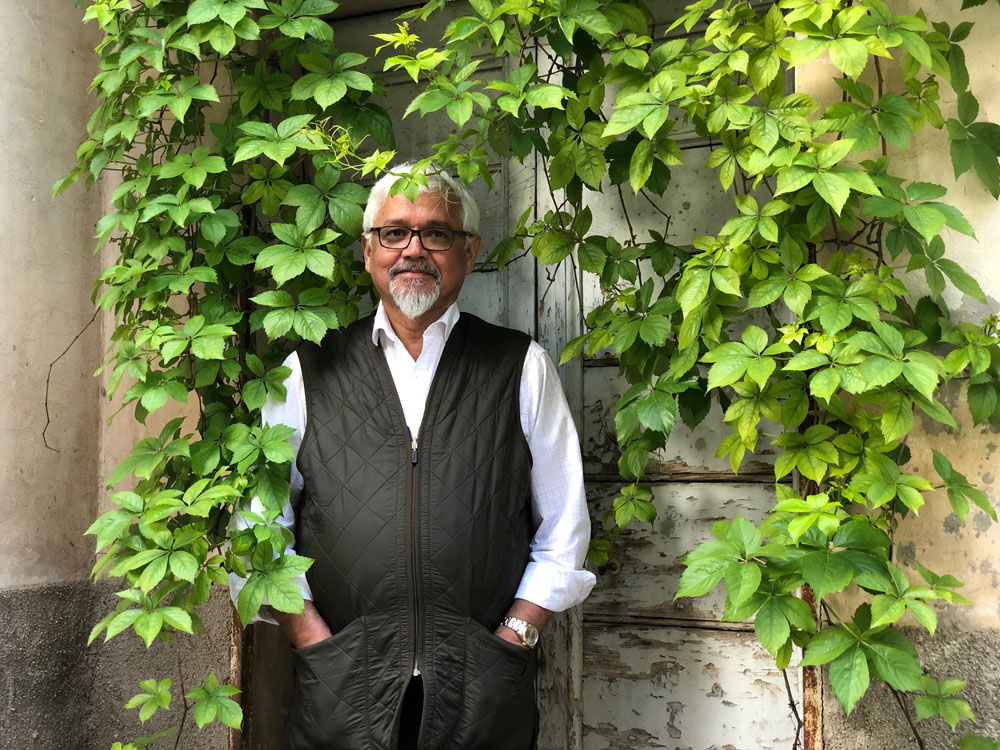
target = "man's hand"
x: 305, y: 629
x: 524, y: 610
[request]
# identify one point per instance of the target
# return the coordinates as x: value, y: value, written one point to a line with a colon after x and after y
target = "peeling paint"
x: 714, y: 676
x: 650, y: 558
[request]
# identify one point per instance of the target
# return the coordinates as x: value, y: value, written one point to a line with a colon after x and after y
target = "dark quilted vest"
x: 418, y: 554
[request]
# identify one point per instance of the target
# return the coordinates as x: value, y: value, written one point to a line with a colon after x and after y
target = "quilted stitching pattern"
x: 473, y: 530
x: 499, y: 701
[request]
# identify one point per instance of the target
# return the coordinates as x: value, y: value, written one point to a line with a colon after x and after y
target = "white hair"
x: 441, y: 183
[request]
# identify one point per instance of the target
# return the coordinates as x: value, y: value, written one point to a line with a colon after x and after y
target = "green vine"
x: 235, y: 133
x: 818, y: 254
x: 232, y: 132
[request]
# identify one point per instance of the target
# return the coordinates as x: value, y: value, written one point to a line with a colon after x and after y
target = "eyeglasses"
x: 432, y: 239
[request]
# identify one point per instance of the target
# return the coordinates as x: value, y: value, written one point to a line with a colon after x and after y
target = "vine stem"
x: 797, y: 744
x: 184, y: 710
x: 881, y: 89
x: 628, y: 220
x: 909, y: 720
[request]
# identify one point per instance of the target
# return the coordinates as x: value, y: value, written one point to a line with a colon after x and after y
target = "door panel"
x: 631, y: 668
x: 644, y: 566
x: 681, y: 688
x: 688, y: 455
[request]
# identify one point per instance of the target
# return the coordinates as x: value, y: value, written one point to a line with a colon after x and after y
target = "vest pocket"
x: 328, y: 709
x: 498, y: 712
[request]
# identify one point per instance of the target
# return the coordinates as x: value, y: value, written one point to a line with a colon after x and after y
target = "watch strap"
x: 521, y: 628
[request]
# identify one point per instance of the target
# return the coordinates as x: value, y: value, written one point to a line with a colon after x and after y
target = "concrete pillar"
x: 47, y: 496
x: 54, y: 691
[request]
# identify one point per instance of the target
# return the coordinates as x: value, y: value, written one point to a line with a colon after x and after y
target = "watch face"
x: 530, y: 635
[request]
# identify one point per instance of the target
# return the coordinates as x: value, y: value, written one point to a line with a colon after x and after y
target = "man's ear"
x: 366, y: 247
x: 474, y: 244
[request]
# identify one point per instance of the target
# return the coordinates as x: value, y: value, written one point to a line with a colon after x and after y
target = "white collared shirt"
x: 555, y: 577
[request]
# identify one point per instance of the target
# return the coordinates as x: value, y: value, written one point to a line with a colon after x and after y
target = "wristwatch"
x: 527, y: 632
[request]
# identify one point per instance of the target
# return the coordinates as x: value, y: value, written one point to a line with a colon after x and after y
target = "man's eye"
x: 395, y: 233
x: 435, y: 234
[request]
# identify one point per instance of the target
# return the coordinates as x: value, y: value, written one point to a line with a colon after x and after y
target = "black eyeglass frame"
x: 420, y: 238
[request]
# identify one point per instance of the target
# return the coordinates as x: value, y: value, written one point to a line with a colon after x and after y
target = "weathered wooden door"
x: 631, y: 668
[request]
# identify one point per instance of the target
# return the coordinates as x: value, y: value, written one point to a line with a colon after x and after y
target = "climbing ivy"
x: 235, y: 134
x: 801, y: 317
x: 232, y: 135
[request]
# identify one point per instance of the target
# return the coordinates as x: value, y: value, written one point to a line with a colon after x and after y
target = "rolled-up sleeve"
x: 555, y: 577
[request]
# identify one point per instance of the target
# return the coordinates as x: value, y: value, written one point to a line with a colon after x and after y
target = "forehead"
x: 429, y: 209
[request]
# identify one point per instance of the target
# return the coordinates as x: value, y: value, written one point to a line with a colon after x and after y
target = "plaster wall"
x: 46, y: 497
x: 55, y: 691
x: 965, y: 645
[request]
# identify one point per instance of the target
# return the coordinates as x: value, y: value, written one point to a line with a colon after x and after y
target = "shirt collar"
x: 382, y: 327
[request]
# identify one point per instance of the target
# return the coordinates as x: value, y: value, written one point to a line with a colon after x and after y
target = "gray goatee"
x: 412, y: 299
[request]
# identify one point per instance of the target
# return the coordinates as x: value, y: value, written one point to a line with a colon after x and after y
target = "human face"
x: 402, y: 275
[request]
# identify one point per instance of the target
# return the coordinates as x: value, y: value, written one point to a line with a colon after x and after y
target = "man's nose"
x: 414, y: 248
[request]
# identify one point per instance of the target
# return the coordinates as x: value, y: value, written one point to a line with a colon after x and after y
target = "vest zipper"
x: 413, y: 529
x: 412, y: 518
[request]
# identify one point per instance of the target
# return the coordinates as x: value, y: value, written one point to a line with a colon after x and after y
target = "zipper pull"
x: 413, y: 451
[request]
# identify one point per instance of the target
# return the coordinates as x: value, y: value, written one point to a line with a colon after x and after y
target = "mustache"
x: 414, y: 265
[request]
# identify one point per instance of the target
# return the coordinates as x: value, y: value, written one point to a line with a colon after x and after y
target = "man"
x: 438, y: 485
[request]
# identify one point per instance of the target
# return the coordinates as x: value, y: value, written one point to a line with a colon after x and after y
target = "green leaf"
x: 547, y: 96
x: 699, y: 579
x: 153, y: 573
x: 826, y: 646
x: 771, y: 626
x: 899, y: 668
x: 184, y: 565
x: 897, y: 416
x: 641, y: 165
x: 692, y: 289
x: 742, y: 581
x: 850, y: 56
x: 983, y: 400
x: 590, y: 165
x: 962, y: 281
x: 120, y: 622
x: 655, y: 329
x: 923, y: 614
x: 745, y: 537
x: 827, y: 572
x: 283, y: 594
x: 250, y: 598
x: 223, y: 39
x: 926, y: 220
x: 832, y: 188
x: 728, y: 371
x: 657, y: 411
x: 552, y: 246
x: 886, y: 610
x: 975, y: 741
x: 849, y: 677
x: 626, y: 118
x: 147, y: 626
x: 203, y: 11
x: 177, y: 618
